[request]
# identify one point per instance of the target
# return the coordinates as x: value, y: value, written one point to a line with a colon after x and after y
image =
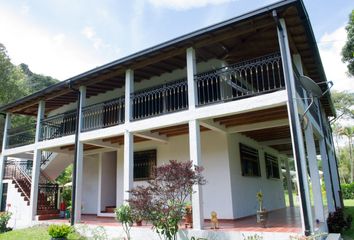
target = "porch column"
x: 191, y: 71
x: 326, y: 175
x: 128, y: 136
x: 315, y: 176
x: 289, y: 183
x: 128, y: 163
x: 3, y: 158
x: 295, y: 128
x: 79, y: 158
x: 37, y: 157
x: 99, y: 195
x: 335, y: 178
x: 195, y: 156
x: 129, y: 89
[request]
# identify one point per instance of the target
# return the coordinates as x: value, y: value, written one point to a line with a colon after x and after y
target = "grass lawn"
x: 33, y: 233
x: 349, y: 209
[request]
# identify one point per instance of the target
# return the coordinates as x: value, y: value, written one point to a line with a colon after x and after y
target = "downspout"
x: 73, y: 193
x: 294, y: 129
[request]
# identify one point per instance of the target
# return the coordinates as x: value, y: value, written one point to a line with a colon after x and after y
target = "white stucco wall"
x: 90, y: 185
x: 244, y: 189
x: 108, y: 180
x: 217, y: 191
x: 20, y: 211
x: 227, y: 192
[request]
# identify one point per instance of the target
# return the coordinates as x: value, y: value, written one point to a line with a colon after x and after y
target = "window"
x: 249, y: 161
x: 4, y: 197
x: 272, y: 166
x: 144, y: 163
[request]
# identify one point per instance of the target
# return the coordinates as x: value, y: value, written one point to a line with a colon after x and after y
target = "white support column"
x: 118, y: 188
x: 335, y: 177
x: 129, y: 88
x: 296, y: 131
x: 289, y: 183
x: 196, y: 158
x: 79, y: 159
x: 99, y: 184
x: 315, y: 176
x: 128, y: 163
x: 2, y: 157
x: 326, y: 175
x: 191, y: 71
x: 37, y: 157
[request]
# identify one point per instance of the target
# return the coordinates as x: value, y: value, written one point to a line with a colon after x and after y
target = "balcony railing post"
x: 129, y: 89
x: 191, y: 72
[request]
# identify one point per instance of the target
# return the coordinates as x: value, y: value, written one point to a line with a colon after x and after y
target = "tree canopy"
x: 348, y: 49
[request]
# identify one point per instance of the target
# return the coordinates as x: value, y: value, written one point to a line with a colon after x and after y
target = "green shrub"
x: 4, y: 219
x: 348, y: 191
x: 124, y: 215
x: 59, y: 231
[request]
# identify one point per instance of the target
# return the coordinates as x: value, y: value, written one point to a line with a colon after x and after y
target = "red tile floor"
x: 282, y: 220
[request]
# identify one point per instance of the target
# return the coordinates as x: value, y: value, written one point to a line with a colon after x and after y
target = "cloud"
x: 185, y: 4
x: 91, y: 35
x: 330, y: 46
x: 50, y: 53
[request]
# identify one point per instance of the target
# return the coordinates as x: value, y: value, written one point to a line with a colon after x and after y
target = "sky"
x: 63, y: 38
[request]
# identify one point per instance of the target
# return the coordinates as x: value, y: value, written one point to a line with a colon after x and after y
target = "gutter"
x: 73, y: 191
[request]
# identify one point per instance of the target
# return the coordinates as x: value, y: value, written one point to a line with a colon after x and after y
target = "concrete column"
x: 335, y: 177
x: 3, y: 158
x: 315, y: 176
x: 191, y: 71
x: 326, y: 175
x: 129, y: 88
x: 37, y: 157
x: 289, y: 183
x: 79, y: 159
x: 118, y: 174
x: 99, y: 184
x: 196, y: 157
x: 128, y: 163
x: 296, y: 130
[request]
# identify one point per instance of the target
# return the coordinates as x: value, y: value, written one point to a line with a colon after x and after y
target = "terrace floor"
x: 282, y: 220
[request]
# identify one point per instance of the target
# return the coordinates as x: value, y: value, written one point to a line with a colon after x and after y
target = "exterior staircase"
x: 20, y: 173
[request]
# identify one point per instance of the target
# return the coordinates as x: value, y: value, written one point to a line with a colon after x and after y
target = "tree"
x: 343, y: 102
x: 348, y: 49
x: 162, y: 201
x: 349, y: 133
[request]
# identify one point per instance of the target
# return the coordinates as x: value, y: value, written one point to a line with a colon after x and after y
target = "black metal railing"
x: 15, y: 171
x: 244, y: 79
x: 46, y: 156
x: 47, y: 196
x: 162, y: 99
x: 21, y: 136
x: 20, y: 172
x: 58, y: 125
x: 103, y: 115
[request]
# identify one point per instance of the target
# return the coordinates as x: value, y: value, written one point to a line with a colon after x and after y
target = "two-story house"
x: 239, y: 98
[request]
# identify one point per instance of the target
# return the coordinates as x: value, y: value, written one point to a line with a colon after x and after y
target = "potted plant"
x: 59, y: 232
x: 137, y: 217
x: 261, y: 212
x: 188, y: 217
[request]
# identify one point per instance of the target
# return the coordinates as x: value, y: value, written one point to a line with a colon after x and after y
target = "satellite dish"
x: 311, y: 86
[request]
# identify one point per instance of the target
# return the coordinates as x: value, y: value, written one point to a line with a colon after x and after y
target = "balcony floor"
x: 283, y: 220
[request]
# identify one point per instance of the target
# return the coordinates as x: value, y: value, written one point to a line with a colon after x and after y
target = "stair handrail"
x: 18, y: 169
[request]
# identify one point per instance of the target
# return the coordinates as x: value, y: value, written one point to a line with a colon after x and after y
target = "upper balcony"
x: 233, y: 60
x: 241, y: 80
